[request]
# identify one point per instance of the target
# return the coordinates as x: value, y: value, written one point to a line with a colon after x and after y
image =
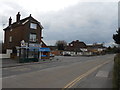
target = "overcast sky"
x: 89, y: 21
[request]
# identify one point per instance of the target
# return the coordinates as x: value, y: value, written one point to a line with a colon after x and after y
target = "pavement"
x: 63, y: 73
x: 15, y: 62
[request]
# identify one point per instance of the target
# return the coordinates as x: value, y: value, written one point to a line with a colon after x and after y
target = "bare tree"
x: 61, y: 44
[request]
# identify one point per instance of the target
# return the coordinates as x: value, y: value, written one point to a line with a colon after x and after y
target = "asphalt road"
x: 64, y: 72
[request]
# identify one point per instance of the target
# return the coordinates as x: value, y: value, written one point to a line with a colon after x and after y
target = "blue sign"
x: 44, y: 49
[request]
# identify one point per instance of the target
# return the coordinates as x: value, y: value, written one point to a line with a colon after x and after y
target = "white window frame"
x: 33, y: 37
x: 10, y: 39
x: 33, y: 25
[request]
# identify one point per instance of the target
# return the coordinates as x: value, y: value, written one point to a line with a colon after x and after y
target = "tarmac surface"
x: 61, y: 71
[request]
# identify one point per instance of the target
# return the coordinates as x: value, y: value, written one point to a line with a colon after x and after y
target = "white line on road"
x: 9, y: 77
x: 102, y: 74
x: 72, y: 83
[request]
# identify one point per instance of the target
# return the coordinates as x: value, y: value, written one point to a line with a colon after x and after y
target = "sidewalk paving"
x: 15, y: 62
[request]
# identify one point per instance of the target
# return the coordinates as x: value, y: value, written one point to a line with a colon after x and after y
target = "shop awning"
x: 33, y: 48
x: 44, y: 49
x: 39, y: 49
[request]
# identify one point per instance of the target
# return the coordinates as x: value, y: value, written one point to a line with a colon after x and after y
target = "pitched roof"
x: 78, y: 43
x: 22, y: 22
x: 43, y: 44
x: 96, y: 46
x: 52, y: 47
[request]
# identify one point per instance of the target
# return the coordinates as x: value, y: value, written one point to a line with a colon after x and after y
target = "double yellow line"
x: 72, y: 83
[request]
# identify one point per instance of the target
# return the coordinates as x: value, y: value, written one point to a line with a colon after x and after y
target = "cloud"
x: 9, y: 9
x: 88, y: 22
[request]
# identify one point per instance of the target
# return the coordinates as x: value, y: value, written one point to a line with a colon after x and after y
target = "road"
x: 64, y: 72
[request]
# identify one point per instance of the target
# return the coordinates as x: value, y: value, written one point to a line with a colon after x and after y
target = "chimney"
x: 30, y: 15
x: 10, y: 21
x: 18, y: 17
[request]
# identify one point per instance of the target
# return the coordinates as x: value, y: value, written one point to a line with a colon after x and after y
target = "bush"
x: 116, y: 72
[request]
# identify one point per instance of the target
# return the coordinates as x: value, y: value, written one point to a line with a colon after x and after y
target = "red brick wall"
x: 18, y: 33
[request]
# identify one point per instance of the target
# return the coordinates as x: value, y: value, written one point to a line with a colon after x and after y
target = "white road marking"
x: 9, y: 77
x: 21, y: 69
x: 102, y: 74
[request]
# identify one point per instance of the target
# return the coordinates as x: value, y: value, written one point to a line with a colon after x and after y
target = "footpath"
x: 5, y: 63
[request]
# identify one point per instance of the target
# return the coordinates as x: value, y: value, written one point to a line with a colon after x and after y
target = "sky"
x: 90, y: 21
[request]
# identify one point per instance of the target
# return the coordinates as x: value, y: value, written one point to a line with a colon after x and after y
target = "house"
x: 0, y: 47
x: 23, y: 33
x: 76, y: 48
x: 80, y: 48
x: 96, y: 49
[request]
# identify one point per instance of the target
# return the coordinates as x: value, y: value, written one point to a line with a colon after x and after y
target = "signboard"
x: 34, y: 45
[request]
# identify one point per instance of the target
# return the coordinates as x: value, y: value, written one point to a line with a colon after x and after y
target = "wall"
x: 4, y: 55
x: 7, y: 55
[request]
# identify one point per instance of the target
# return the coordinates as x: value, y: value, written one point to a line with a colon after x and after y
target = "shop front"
x: 32, y: 54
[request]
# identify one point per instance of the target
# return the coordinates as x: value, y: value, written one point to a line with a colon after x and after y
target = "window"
x: 33, y: 26
x: 33, y: 37
x: 71, y: 44
x: 10, y: 39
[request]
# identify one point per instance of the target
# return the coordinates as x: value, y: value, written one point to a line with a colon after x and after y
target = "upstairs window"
x: 33, y: 37
x: 33, y: 26
x: 10, y: 39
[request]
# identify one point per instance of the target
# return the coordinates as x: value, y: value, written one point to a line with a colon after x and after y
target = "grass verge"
x: 116, y: 72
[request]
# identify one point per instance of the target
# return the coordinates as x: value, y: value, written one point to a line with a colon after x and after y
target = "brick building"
x: 80, y: 48
x: 27, y: 31
x: 76, y: 45
x: 75, y: 48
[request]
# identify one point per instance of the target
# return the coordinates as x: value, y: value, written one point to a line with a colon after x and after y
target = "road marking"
x: 21, y: 69
x: 72, y: 83
x: 8, y: 77
x: 102, y: 74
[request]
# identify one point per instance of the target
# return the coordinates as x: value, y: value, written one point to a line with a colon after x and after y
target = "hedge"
x: 116, y: 72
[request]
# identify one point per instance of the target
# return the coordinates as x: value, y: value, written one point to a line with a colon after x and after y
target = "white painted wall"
x: 7, y: 55
x: 4, y: 55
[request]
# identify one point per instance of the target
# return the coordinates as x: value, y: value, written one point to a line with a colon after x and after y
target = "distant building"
x: 75, y: 48
x: 80, y: 48
x: 96, y: 48
x: 54, y: 50
x: 23, y: 32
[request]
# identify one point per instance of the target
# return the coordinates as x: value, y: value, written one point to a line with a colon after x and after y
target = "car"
x: 67, y: 54
x: 52, y: 55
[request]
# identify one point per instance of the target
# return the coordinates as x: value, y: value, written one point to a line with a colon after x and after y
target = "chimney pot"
x: 18, y: 17
x: 30, y: 15
x: 10, y: 21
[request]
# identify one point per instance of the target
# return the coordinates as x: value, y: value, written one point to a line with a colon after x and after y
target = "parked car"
x: 52, y: 55
x: 67, y: 54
